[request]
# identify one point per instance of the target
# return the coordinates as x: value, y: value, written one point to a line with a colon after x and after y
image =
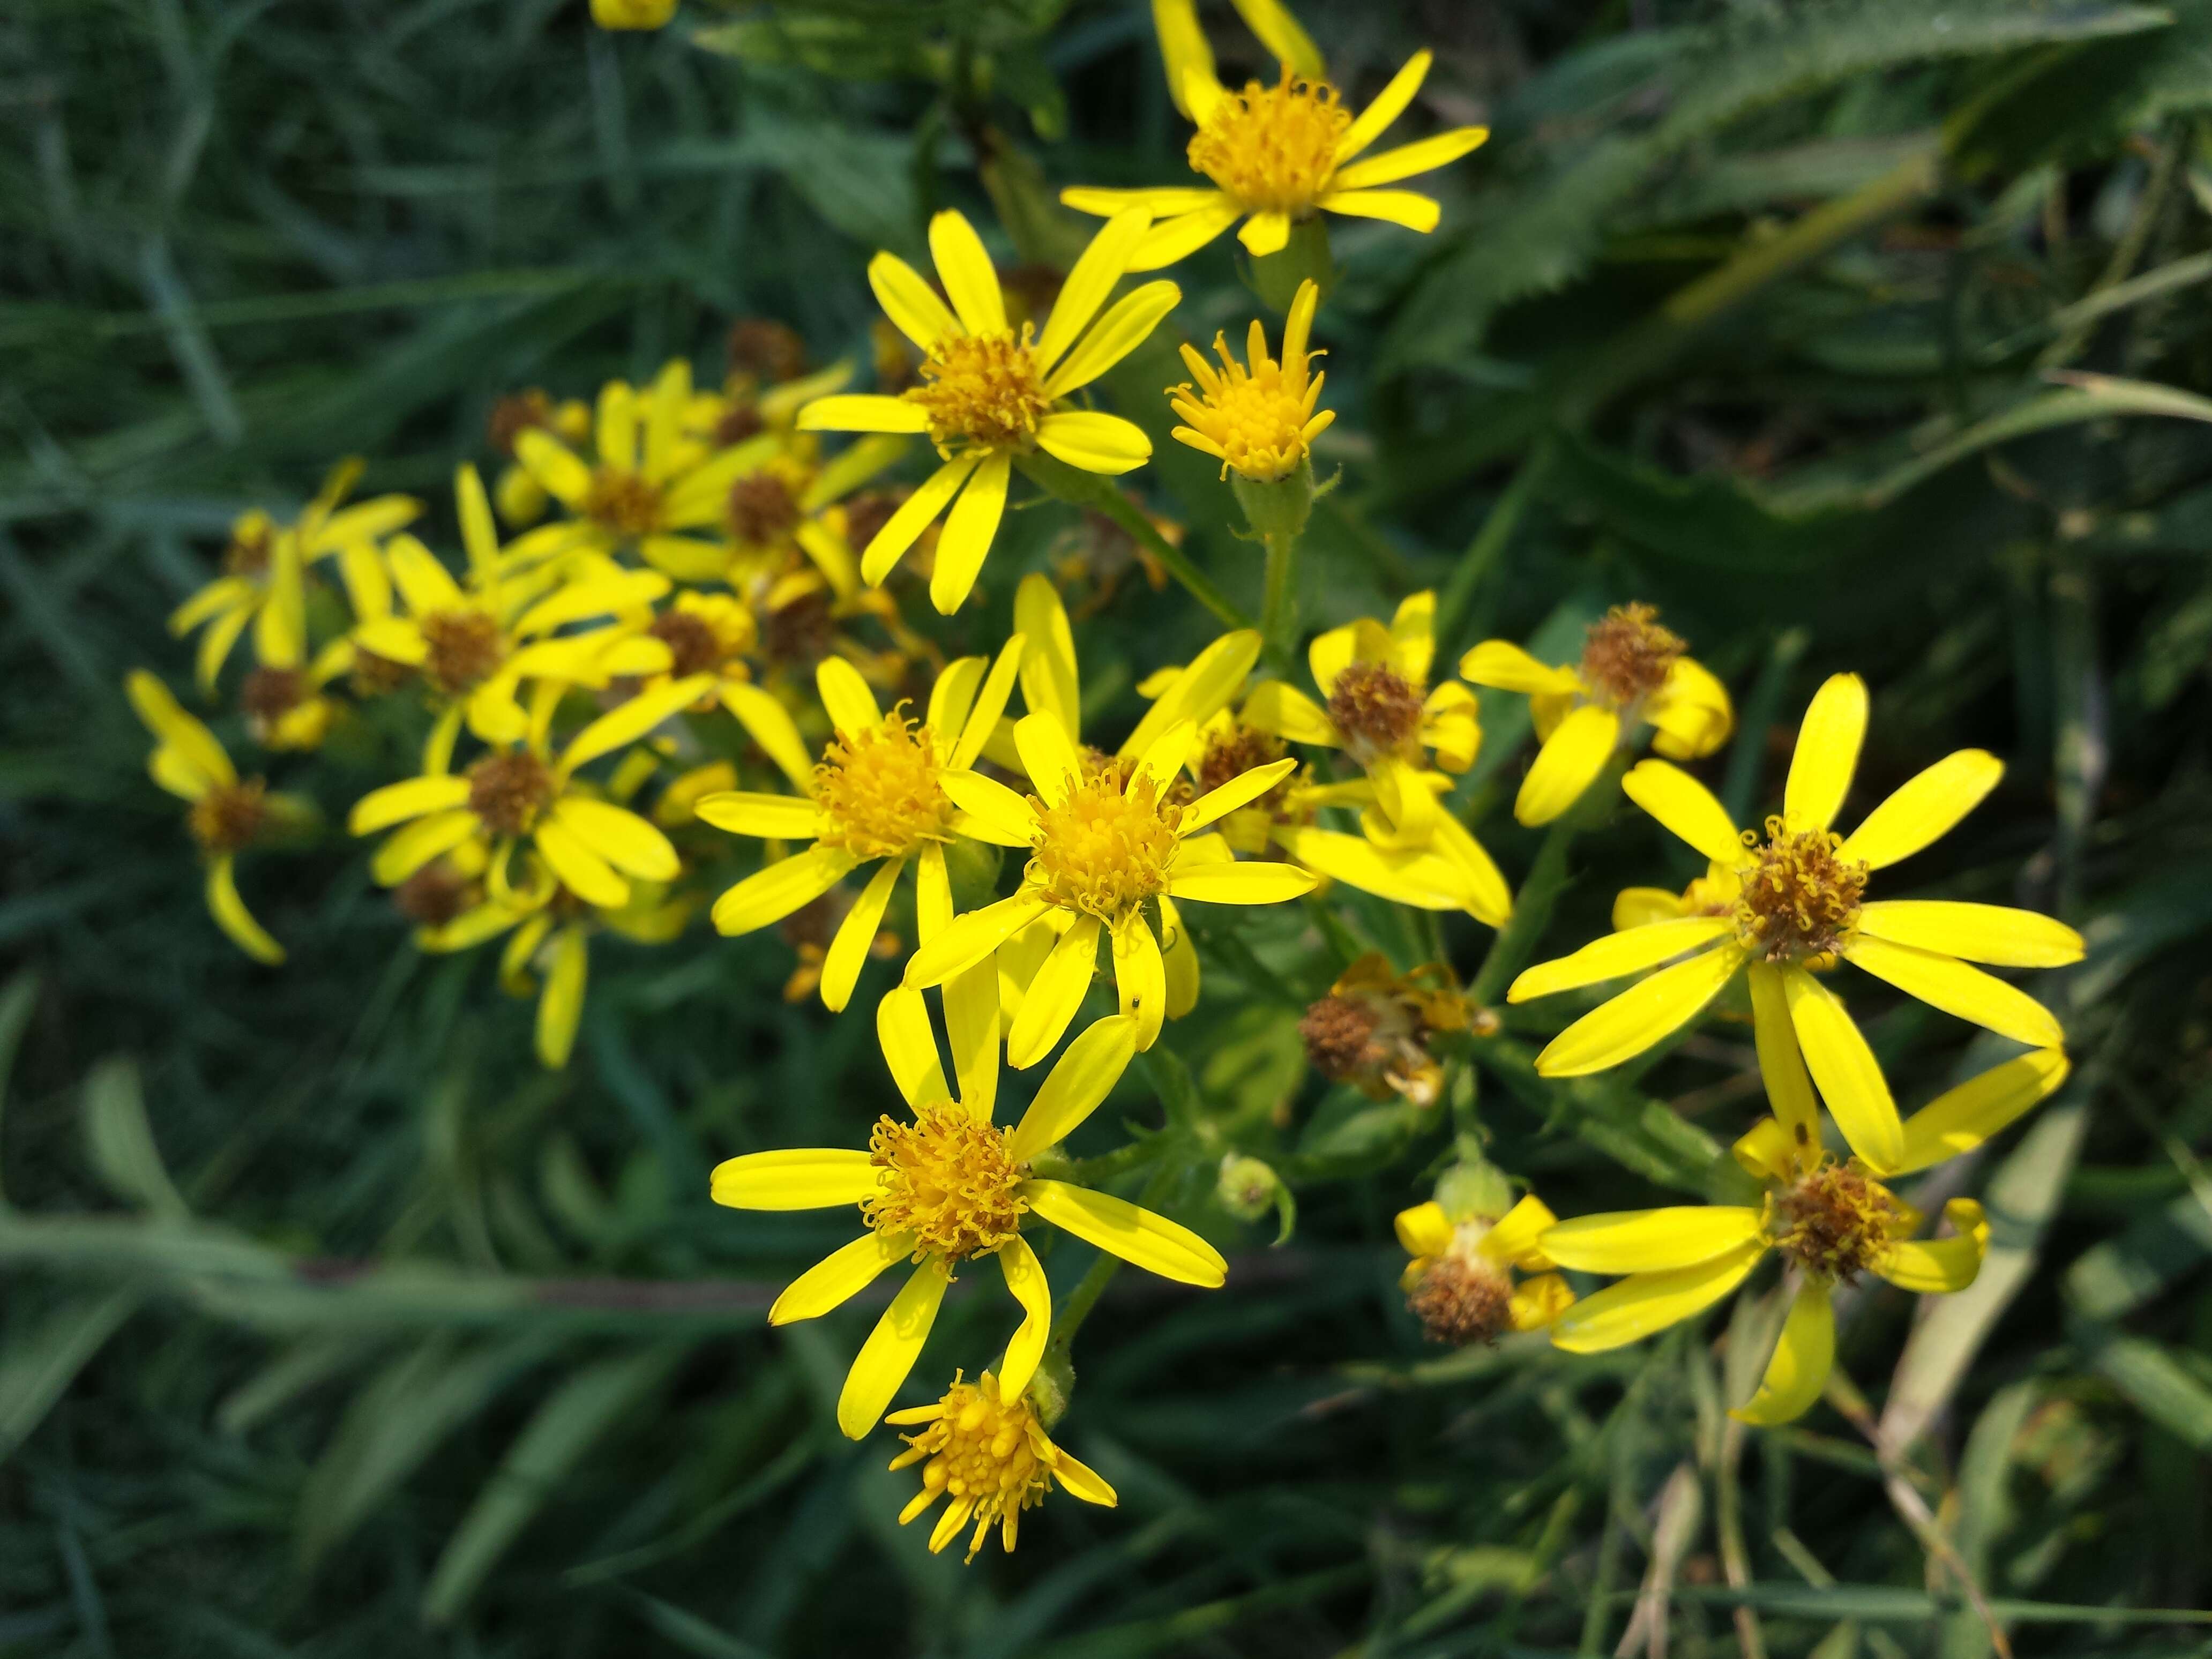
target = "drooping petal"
x: 1645, y: 1303
x: 1828, y: 753
x: 1782, y: 1063
x: 770, y: 895
x: 1024, y: 1276
x: 1936, y: 1266
x: 1849, y: 1077
x: 1801, y: 1360
x: 1650, y: 1241
x: 1567, y: 764
x: 839, y: 1277
x: 1612, y: 955
x: 805, y: 1178
x: 881, y: 1366
x: 1686, y: 807
x: 856, y: 933
x: 1121, y: 1228
x: 1537, y: 1304
x: 1270, y: 21
x: 196, y: 747
x: 1960, y: 1119
x: 1924, y: 809
x: 1640, y: 1016
x: 1140, y: 976
x: 1055, y: 995
x: 231, y: 915
x: 1945, y: 982
x: 1518, y: 1237
x: 1980, y: 932
x: 1265, y: 232
x: 969, y: 529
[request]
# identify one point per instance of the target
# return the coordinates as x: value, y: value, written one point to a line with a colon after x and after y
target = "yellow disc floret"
x: 1273, y: 147
x: 1627, y: 655
x: 1799, y: 899
x: 878, y: 790
x: 987, y: 1454
x: 1835, y: 1220
x: 1105, y: 849
x: 947, y: 1182
x: 981, y: 392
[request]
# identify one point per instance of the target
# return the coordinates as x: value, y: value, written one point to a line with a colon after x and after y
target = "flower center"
x: 229, y: 815
x: 1256, y: 417
x: 1104, y: 850
x: 981, y: 392
x: 1377, y: 709
x: 1273, y: 147
x: 800, y: 631
x: 762, y: 510
x: 694, y: 647
x: 508, y: 791
x: 463, y: 649
x: 947, y: 1180
x: 1799, y: 899
x: 1237, y: 749
x: 1461, y: 1299
x: 623, y: 502
x: 766, y: 349
x: 1835, y: 1220
x: 435, y: 894
x: 250, y: 543
x: 1339, y: 1032
x: 376, y: 676
x: 515, y: 414
x: 1628, y: 655
x: 269, y: 693
x: 740, y: 421
x: 877, y: 788
x: 983, y: 1449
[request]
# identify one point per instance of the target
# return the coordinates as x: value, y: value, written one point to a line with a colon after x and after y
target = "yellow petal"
x: 1398, y: 207
x: 197, y: 752
x: 1055, y: 995
x: 1980, y: 932
x: 1265, y: 232
x: 1179, y: 961
x: 1237, y: 884
x: 615, y: 426
x: 581, y: 869
x: 1081, y: 1480
x: 1537, y: 1304
x: 1090, y: 282
x: 968, y: 528
x: 1686, y: 807
x: 805, y: 1178
x: 1184, y: 50
x: 1489, y: 900
x: 424, y: 584
x: 1960, y: 1119
x: 1945, y: 982
x: 560, y: 1004
x: 1567, y: 764
x: 1650, y: 1241
x: 1638, y: 907
x: 620, y: 836
x: 1128, y: 324
x: 1198, y: 692
x: 1049, y: 756
x: 964, y: 268
x: 231, y: 915
x: 996, y: 813
x: 770, y: 725
x: 1636, y: 1307
x: 971, y: 1027
x: 852, y: 706
x: 1845, y: 1068
x: 772, y: 817
x: 1691, y: 715
x: 1801, y: 1360
x: 1518, y: 1237
x: 933, y: 891
x: 1828, y: 753
x: 1924, y: 808
x: 1281, y: 35
x: 1421, y: 880
x: 628, y: 722
x: 862, y: 411
x: 1140, y: 976
x: 1781, y: 1063
x: 1425, y: 1230
x: 1389, y: 105
x: 982, y: 717
x: 1121, y: 1228
x: 909, y: 301
x: 1288, y: 713
x: 1241, y: 790
x: 1094, y: 441
x: 422, y: 841
x: 1050, y: 683
x: 1640, y: 1016
x: 848, y: 949
x: 972, y: 937
x: 1936, y: 1266
x: 1423, y: 155
x: 889, y: 1353
x: 1025, y: 1279
x: 909, y: 1047
x: 770, y: 895
x: 1612, y: 955
x: 1508, y: 668
x: 1176, y: 238
x: 410, y: 797
x: 839, y: 1277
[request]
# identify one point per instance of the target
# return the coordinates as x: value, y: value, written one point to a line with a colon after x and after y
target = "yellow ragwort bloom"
x: 1830, y: 1220
x: 1461, y: 1284
x: 1278, y: 154
x: 523, y: 792
x: 1633, y: 673
x: 229, y: 813
x: 633, y: 14
x: 1799, y: 904
x: 988, y: 393
x: 1377, y: 707
x: 780, y: 507
x: 263, y: 579
x: 881, y: 793
x: 991, y: 1455
x: 1257, y: 417
x: 951, y: 1186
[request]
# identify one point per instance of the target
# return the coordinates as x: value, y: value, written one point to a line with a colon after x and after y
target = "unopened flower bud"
x: 1247, y: 1187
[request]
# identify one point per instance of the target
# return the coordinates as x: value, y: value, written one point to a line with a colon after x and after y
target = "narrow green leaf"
x: 37, y: 1366
x: 119, y: 1141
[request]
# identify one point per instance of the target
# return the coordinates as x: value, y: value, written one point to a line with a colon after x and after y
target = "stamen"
x: 762, y: 510
x: 1378, y: 711
x: 1104, y: 850
x: 1836, y: 1219
x: 228, y: 817
x: 464, y: 650
x: 878, y: 790
x: 947, y: 1181
x: 1628, y: 655
x: 1799, y: 898
x: 623, y: 502
x: 1273, y: 147
x: 983, y: 1449
x: 981, y: 392
x: 508, y: 791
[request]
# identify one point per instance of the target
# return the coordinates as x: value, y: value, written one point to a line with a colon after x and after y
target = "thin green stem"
x: 1531, y: 913
x: 1081, y: 489
x: 1279, y: 607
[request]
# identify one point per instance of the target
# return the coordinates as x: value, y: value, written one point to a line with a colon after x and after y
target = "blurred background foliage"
x: 1865, y: 334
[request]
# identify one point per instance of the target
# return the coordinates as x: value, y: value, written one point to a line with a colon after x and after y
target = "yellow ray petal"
x: 805, y: 1178
x: 1049, y: 756
x: 1239, y: 790
x: 1640, y: 1016
x: 839, y: 1276
x: 1265, y: 232
x: 1094, y: 441
x: 1423, y: 155
x: 1508, y: 668
x: 621, y: 837
x: 964, y: 267
x: 1828, y: 753
x: 856, y: 933
x: 1127, y: 324
x: 1567, y: 764
x: 1960, y: 1119
x: 1398, y: 207
x: 969, y: 529
x: 889, y: 1353
x: 1174, y: 240
x: 1945, y: 982
x: 995, y: 813
x: 1801, y: 1363
x: 770, y: 895
x: 1937, y: 1265
x: 1055, y: 995
x: 771, y: 817
x: 581, y: 869
x: 1845, y: 1068
x: 1025, y: 1280
x: 1425, y: 1230
x: 1237, y: 884
x: 769, y: 723
x: 909, y: 301
x: 1686, y: 807
x: 1389, y: 105
x: 862, y: 411
x: 971, y: 938
x: 1781, y: 1063
x: 1636, y: 1307
x: 1650, y: 1241
x: 1924, y: 809
x: 1140, y: 976
x: 1518, y: 1237
x: 909, y: 1047
x: 1980, y: 932
x: 628, y: 722
x: 560, y: 1004
x: 231, y: 915
x: 971, y: 1027
x: 1615, y: 954
x: 410, y: 797
x: 1121, y: 1228
x: 852, y: 706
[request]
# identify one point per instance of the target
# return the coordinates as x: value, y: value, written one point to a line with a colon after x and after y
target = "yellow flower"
x: 951, y: 1186
x: 1460, y: 1284
x: 1632, y: 674
x: 1108, y: 837
x: 590, y: 845
x: 1378, y: 709
x: 229, y: 814
x: 696, y: 635
x: 781, y: 504
x: 653, y: 481
x: 1258, y: 416
x: 1830, y: 1220
x: 992, y: 1456
x: 475, y: 646
x: 881, y: 793
x: 1276, y: 155
x: 633, y: 14
x: 988, y: 393
x: 1800, y: 903
x: 263, y: 567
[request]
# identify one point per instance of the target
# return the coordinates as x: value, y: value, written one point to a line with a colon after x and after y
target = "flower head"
x: 1275, y: 155
x: 990, y: 1455
x: 1462, y: 1282
x: 1796, y: 902
x: 1633, y: 673
x: 1257, y: 417
x: 1372, y: 1028
x: 951, y: 1186
x: 988, y: 392
x: 881, y: 792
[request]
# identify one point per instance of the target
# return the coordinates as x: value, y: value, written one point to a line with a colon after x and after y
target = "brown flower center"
x: 867, y: 514
x: 693, y: 646
x: 464, y: 650
x: 623, y: 502
x: 269, y: 693
x: 515, y: 414
x: 434, y: 895
x: 1627, y: 655
x: 981, y: 392
x: 1237, y: 749
x: 1377, y: 709
x: 508, y: 791
x: 763, y: 511
x: 229, y: 817
x: 766, y: 349
x: 1835, y: 1220
x: 1799, y: 898
x: 374, y: 675
x: 1460, y: 1301
x: 947, y: 1180
x: 801, y: 632
x: 1338, y: 1033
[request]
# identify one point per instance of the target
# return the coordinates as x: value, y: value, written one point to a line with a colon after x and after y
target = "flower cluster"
x: 676, y: 632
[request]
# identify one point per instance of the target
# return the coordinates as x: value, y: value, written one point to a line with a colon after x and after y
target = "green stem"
x: 1054, y: 1386
x: 1532, y: 914
x: 1279, y: 607
x: 1080, y: 488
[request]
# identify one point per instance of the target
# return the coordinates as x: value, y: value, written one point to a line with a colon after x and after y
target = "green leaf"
x: 2155, y: 1381
x: 37, y: 1364
x: 119, y: 1141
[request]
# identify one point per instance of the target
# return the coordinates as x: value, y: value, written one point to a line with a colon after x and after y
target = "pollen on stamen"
x: 981, y: 392
x: 1273, y: 149
x: 623, y: 502
x: 1628, y: 655
x: 1105, y: 849
x: 1835, y: 1220
x: 1799, y: 898
x: 988, y: 1455
x: 948, y: 1180
x: 1377, y: 709
x: 878, y: 790
x: 508, y: 791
